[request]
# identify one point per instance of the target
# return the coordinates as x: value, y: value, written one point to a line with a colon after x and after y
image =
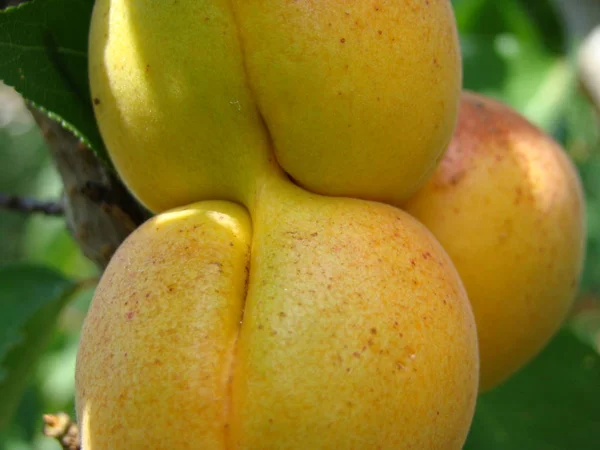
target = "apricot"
x: 331, y: 324
x: 506, y: 203
x: 354, y: 99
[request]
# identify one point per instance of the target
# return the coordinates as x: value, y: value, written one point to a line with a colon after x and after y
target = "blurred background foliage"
x: 520, y: 51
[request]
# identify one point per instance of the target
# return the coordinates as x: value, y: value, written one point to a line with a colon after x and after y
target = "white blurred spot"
x: 14, y: 115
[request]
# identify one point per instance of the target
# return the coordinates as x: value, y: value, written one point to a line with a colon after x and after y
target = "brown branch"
x: 99, y: 210
x: 63, y: 429
x: 31, y: 205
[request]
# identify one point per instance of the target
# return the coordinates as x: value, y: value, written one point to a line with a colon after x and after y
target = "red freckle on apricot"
x: 129, y: 315
x: 342, y: 40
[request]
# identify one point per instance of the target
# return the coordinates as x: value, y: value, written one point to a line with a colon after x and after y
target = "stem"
x: 30, y: 205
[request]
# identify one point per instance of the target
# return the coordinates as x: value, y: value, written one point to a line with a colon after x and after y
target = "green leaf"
x: 44, y: 57
x: 31, y: 299
x: 552, y: 404
x: 506, y: 55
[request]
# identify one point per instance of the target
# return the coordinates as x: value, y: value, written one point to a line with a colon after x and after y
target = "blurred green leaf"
x: 552, y: 404
x: 31, y: 298
x: 582, y: 138
x: 507, y: 54
x: 49, y: 243
x: 535, y: 23
x: 44, y: 57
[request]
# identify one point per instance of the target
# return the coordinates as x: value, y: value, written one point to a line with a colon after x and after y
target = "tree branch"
x: 30, y: 205
x: 99, y: 210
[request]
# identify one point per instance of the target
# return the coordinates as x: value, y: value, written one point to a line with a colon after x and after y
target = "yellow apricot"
x: 507, y: 205
x: 353, y: 332
x: 192, y: 97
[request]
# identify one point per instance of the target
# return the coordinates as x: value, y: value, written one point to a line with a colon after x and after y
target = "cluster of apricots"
x: 347, y: 248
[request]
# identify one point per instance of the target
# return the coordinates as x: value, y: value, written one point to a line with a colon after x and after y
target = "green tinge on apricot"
x: 172, y: 101
x: 193, y: 97
x: 507, y: 205
x: 351, y: 331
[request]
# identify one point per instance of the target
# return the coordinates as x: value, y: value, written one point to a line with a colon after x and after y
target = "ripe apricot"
x: 507, y: 205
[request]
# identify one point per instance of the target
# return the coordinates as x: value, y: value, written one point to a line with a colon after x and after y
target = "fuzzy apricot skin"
x: 507, y: 204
